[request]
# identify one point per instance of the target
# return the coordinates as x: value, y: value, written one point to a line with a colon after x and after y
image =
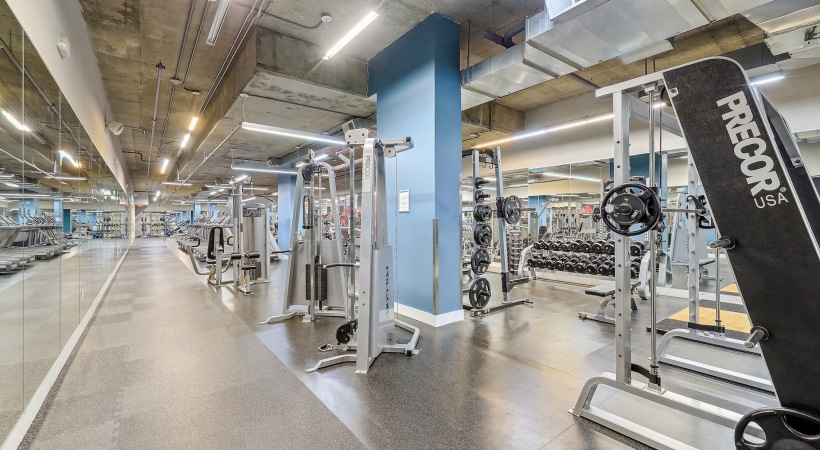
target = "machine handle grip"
x: 758, y: 334
x: 724, y: 242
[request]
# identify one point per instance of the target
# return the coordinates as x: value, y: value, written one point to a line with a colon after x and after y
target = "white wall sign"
x: 404, y: 201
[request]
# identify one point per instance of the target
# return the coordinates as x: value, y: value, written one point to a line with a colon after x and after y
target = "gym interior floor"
x: 170, y: 362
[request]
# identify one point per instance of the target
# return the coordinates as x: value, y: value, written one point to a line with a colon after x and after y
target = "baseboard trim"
x: 428, y: 318
x: 18, y: 433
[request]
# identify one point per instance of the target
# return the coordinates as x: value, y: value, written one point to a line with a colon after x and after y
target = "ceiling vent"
x: 563, y: 10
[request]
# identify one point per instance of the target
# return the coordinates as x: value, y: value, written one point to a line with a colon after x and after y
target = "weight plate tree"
x: 482, y: 236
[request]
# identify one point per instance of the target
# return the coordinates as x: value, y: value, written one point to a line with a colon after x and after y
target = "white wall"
x: 797, y: 97
x: 78, y: 76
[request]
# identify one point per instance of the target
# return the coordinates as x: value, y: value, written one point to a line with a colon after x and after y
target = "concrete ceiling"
x: 292, y: 90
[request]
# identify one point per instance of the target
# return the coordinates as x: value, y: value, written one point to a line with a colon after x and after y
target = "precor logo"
x: 750, y: 148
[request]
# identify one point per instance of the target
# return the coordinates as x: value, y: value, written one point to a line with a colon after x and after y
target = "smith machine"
x: 754, y: 177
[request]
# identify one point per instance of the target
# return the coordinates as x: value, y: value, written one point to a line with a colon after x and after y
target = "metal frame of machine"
x: 375, y: 329
x: 625, y: 107
x: 314, y: 252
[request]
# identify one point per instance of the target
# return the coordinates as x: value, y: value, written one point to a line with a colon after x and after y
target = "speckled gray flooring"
x: 503, y: 381
x: 165, y: 365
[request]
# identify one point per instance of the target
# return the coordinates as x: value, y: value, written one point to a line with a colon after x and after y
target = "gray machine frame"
x: 625, y: 107
x: 714, y: 338
x: 338, y: 303
x: 377, y: 325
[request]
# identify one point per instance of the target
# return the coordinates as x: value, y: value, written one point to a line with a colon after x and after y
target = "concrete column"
x: 417, y: 80
x: 287, y: 192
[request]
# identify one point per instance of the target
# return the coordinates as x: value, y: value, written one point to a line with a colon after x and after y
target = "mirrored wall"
x: 562, y: 220
x: 62, y: 221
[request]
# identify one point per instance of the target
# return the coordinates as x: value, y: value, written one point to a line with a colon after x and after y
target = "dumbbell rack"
x: 507, y: 211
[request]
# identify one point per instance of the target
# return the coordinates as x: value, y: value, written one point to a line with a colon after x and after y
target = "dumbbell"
x: 581, y: 265
x: 564, y: 246
x: 542, y: 264
x: 636, y: 249
x: 554, y: 246
x: 592, y: 266
x: 549, y: 264
x: 558, y: 264
x: 597, y: 247
x: 635, y: 269
x: 606, y: 267
x: 609, y: 248
x: 575, y: 246
x: 586, y: 246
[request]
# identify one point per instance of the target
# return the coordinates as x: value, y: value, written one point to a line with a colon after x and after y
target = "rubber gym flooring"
x: 170, y: 362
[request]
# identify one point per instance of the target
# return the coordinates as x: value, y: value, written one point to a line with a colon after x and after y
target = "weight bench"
x: 606, y: 290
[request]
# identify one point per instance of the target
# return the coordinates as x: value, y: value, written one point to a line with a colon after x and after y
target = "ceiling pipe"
x: 703, y: 10
x: 160, y: 68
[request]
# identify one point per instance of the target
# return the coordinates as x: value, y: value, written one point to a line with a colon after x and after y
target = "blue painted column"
x: 197, y: 211
x: 418, y: 86
x: 287, y: 192
x: 67, y: 221
x: 58, y: 213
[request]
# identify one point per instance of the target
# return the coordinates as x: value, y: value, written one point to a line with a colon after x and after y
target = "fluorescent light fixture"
x: 194, y: 120
x: 13, y: 120
x: 176, y: 183
x: 185, y: 140
x: 219, y: 20
x: 6, y: 175
x: 539, y: 132
x: 249, y: 199
x: 321, y: 157
x: 569, y: 177
x: 517, y: 185
x: 68, y: 178
x: 292, y: 133
x: 23, y: 195
x: 768, y: 78
x: 159, y: 193
x: 646, y: 52
x: 300, y: 164
x: 370, y: 17
x: 10, y: 184
x: 254, y: 169
x: 67, y: 156
x: 241, y: 177
x: 164, y: 166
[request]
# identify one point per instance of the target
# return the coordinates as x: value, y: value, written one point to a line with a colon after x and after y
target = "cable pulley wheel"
x: 483, y: 234
x: 512, y: 209
x: 482, y: 213
x: 480, y: 293
x: 480, y: 261
x: 630, y: 205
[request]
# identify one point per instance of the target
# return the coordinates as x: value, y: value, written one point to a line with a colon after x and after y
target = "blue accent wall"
x: 418, y: 86
x: 287, y: 191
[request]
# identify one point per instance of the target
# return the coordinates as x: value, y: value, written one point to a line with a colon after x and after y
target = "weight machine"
x: 508, y: 211
x: 311, y: 289
x: 374, y: 330
x: 713, y: 335
x: 753, y: 175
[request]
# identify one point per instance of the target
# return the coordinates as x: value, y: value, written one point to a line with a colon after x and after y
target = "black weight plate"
x: 512, y: 209
x: 480, y: 261
x: 482, y: 213
x: 483, y: 234
x: 480, y: 293
x: 479, y: 196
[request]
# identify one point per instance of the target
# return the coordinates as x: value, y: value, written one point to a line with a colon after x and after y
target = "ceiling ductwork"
x: 571, y: 35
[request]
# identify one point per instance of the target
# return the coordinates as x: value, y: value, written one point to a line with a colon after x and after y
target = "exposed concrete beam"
x: 494, y: 117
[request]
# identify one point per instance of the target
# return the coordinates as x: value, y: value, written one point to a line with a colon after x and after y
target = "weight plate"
x: 479, y: 196
x: 480, y: 261
x: 480, y: 293
x: 512, y: 209
x: 596, y: 214
x: 482, y: 213
x: 628, y: 205
x: 483, y: 234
